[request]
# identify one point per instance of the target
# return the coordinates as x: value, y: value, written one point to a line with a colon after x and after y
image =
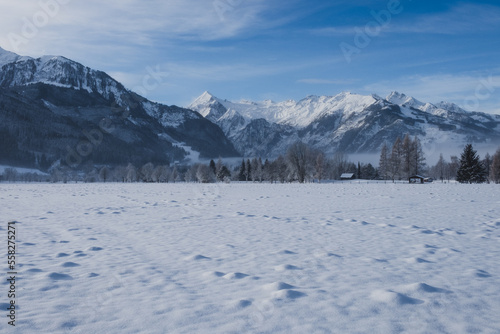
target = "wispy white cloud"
x: 326, y: 82
x: 132, y: 22
x: 463, y: 18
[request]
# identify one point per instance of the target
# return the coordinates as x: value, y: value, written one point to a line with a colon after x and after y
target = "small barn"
x: 417, y: 179
x: 347, y: 176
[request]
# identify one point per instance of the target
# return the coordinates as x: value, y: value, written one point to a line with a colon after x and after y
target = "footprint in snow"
x: 70, y: 265
x: 59, y: 277
x: 198, y: 257
x: 283, y: 291
x: 417, y: 260
x: 232, y: 276
x: 423, y: 287
x: 214, y: 274
x: 244, y: 303
x: 4, y: 306
x: 288, y: 294
x: 392, y: 297
x: 482, y: 274
x: 286, y: 267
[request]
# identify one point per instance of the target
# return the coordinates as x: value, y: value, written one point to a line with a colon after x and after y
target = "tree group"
x: 404, y: 159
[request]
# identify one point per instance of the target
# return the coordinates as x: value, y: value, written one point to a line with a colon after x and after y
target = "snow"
x: 7, y: 57
x: 21, y: 170
x: 290, y: 112
x: 256, y: 258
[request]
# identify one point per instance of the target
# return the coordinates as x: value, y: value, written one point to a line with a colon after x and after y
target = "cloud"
x: 464, y: 18
x: 145, y: 23
x: 461, y: 19
x: 325, y: 82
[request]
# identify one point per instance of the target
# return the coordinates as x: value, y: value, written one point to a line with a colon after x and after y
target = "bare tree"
x: 319, y: 166
x: 384, y: 162
x: 395, y: 161
x: 104, y: 174
x: 297, y: 156
x: 495, y: 167
x: 131, y: 173
x: 147, y: 172
x: 204, y: 174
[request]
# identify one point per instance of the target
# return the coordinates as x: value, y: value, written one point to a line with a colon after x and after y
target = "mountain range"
x: 56, y: 111
x: 347, y: 122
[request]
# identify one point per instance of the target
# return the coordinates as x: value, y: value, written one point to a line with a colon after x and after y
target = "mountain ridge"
x: 346, y: 122
x: 77, y: 100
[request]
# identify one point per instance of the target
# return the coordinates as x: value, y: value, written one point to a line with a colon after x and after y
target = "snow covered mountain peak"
x: 347, y: 122
x: 404, y: 100
x: 289, y: 112
x: 7, y: 57
x: 56, y: 71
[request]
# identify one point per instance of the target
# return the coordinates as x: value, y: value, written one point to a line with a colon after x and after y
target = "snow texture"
x: 255, y: 258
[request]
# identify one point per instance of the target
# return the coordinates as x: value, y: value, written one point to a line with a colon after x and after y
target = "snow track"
x: 256, y: 258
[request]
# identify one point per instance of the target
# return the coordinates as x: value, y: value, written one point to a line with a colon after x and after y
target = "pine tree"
x: 223, y: 174
x: 471, y: 169
x: 213, y: 167
x: 242, y: 175
x: 249, y: 170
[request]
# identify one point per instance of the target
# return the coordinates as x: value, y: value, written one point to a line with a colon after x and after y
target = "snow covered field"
x: 253, y: 258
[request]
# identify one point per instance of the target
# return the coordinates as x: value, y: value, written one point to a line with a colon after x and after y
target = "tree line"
x: 301, y: 163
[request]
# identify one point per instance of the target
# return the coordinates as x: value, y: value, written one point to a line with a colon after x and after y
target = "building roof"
x: 347, y: 176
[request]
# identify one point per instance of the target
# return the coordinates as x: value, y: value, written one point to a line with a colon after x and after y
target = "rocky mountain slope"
x: 55, y: 110
x: 347, y: 122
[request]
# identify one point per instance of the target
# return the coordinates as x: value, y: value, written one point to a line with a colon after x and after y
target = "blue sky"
x: 256, y: 49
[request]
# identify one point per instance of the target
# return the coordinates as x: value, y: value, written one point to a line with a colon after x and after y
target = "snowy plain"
x: 253, y: 258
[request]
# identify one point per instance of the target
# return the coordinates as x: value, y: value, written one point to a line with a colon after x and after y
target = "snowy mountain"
x: 346, y: 122
x: 49, y: 105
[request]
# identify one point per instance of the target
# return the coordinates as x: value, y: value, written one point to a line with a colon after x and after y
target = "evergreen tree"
x: 213, y: 167
x: 471, y: 169
x: 369, y: 172
x: 249, y: 170
x: 242, y: 174
x: 224, y: 174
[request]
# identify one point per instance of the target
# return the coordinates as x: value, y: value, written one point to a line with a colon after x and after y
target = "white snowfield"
x: 253, y: 258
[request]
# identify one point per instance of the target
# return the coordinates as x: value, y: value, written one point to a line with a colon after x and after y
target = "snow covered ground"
x: 254, y: 258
